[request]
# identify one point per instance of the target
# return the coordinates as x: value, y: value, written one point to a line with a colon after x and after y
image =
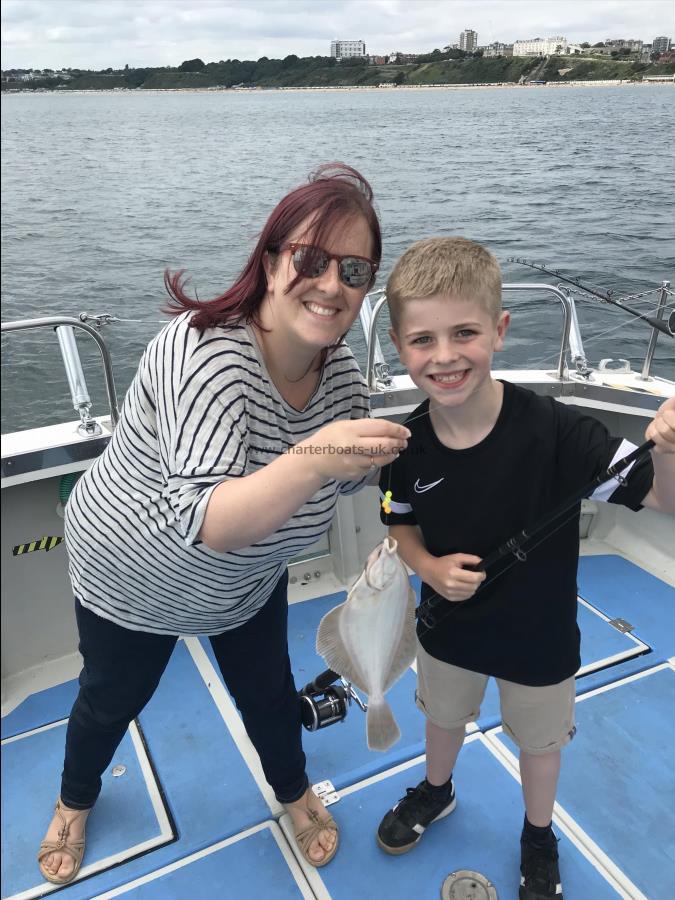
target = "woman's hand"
x: 447, y: 576
x: 661, y: 429
x: 346, y: 450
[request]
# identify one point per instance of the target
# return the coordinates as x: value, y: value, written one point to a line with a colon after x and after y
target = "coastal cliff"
x: 324, y: 72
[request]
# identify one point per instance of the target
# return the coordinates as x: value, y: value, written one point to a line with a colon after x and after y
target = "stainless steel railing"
x: 570, y: 327
x: 72, y: 364
x: 663, y: 299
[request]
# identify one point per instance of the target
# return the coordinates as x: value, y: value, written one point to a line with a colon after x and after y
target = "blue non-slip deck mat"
x: 339, y: 752
x: 482, y: 834
x: 623, y: 590
x: 209, y: 790
x: 30, y: 771
x: 248, y: 869
x: 617, y: 777
x: 41, y: 708
x: 208, y: 786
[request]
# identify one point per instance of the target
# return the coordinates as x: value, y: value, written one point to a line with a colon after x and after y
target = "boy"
x: 486, y: 459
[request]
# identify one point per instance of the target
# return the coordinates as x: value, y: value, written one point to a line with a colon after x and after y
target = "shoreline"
x: 501, y: 85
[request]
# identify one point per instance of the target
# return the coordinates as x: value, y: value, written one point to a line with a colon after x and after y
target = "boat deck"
x: 185, y: 811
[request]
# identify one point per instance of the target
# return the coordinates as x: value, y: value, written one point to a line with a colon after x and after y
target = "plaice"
x: 370, y: 638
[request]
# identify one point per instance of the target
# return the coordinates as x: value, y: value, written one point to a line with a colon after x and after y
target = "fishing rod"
x: 664, y: 326
x: 514, y: 546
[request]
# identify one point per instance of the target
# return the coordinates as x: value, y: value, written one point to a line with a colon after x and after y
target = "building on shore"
x: 468, y: 40
x: 661, y: 44
x: 347, y: 49
x: 402, y: 58
x: 34, y: 75
x: 623, y: 46
x: 497, y: 49
x: 553, y: 46
x: 631, y: 44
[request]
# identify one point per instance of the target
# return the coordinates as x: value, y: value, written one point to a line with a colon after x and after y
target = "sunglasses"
x: 311, y: 262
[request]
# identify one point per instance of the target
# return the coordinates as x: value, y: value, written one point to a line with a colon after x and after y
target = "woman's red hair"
x: 333, y: 194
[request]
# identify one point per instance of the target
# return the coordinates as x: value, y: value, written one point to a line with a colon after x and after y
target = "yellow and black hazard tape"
x: 45, y: 543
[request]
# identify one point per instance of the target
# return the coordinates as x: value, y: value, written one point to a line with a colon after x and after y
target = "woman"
x: 250, y: 402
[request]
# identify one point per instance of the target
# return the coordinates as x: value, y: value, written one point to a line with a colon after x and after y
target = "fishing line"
x: 587, y: 342
x: 552, y: 357
x: 142, y: 321
x: 667, y: 328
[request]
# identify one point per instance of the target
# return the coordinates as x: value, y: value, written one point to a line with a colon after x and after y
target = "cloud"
x: 86, y: 34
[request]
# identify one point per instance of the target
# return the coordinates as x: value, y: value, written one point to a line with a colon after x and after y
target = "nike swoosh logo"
x: 421, y: 488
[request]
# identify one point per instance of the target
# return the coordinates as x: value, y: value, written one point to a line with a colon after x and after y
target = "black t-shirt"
x: 521, y: 623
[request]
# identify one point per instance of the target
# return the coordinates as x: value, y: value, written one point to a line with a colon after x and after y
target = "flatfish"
x: 370, y: 638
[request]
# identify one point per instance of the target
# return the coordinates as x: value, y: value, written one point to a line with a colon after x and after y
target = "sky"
x: 96, y: 34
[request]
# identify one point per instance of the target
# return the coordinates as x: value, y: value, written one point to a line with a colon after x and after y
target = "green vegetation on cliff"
x: 321, y: 71
x: 584, y: 69
x: 473, y: 71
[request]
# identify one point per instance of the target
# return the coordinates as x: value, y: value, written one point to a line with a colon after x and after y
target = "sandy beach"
x: 502, y: 85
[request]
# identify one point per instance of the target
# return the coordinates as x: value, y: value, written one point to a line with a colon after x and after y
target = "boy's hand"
x: 447, y: 576
x: 661, y: 429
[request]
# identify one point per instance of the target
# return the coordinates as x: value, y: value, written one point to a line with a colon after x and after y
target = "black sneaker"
x: 539, y: 873
x: 405, y: 824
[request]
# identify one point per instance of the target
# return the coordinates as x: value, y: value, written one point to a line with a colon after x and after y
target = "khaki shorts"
x: 537, y: 719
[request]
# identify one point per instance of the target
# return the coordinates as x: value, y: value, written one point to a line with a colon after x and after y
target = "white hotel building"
x: 347, y: 49
x: 553, y: 46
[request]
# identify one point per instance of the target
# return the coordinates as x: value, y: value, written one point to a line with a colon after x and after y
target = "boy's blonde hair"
x: 451, y: 266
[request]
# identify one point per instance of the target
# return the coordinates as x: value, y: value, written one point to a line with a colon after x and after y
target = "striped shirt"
x: 202, y: 408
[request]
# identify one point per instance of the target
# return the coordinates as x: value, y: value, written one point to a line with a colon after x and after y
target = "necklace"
x: 270, y: 359
x: 303, y: 376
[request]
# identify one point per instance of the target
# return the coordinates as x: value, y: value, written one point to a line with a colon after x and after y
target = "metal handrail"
x: 365, y: 316
x: 373, y: 342
x: 55, y: 321
x: 567, y: 304
x: 645, y: 375
x: 566, y: 301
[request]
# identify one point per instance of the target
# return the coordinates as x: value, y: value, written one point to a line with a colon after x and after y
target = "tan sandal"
x: 74, y: 848
x: 308, y: 835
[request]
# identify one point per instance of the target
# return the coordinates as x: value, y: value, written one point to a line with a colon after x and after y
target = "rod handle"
x: 321, y: 682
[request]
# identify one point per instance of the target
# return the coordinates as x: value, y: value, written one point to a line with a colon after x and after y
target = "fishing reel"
x: 323, y: 702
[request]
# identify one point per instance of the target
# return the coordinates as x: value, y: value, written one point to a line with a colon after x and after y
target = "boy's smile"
x: 447, y: 345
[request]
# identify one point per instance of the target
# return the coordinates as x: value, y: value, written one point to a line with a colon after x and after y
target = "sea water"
x: 103, y: 191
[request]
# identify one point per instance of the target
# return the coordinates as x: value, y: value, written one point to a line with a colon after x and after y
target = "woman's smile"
x: 319, y: 309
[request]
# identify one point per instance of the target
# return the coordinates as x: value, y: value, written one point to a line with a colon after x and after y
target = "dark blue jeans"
x: 122, y: 668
